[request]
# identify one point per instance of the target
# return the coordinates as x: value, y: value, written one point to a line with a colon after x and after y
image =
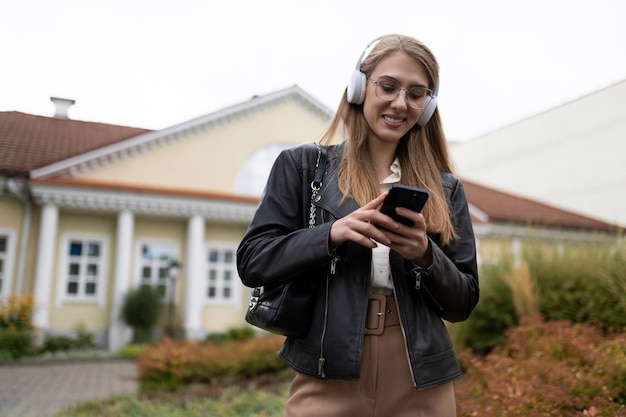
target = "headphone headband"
x: 355, y: 93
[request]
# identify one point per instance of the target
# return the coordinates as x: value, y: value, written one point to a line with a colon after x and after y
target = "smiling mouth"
x: 393, y: 119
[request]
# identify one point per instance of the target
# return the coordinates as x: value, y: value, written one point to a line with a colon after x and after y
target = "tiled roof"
x: 501, y: 207
x: 28, y: 142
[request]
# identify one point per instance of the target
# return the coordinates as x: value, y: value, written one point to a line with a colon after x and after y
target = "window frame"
x: 138, y: 281
x: 235, y: 289
x: 101, y: 277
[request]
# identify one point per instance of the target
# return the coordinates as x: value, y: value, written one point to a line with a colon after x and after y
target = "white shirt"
x: 381, y: 275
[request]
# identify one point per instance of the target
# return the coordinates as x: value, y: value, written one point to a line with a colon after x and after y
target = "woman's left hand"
x: 411, y: 241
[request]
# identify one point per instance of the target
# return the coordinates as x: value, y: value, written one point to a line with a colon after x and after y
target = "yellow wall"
x: 218, y: 319
x: 11, y: 213
x: 210, y: 160
x: 224, y: 232
x: 72, y: 315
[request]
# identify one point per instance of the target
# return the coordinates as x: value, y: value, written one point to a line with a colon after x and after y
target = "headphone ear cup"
x: 356, y: 88
x: 427, y: 112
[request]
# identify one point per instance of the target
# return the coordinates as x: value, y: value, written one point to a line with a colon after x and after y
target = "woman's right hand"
x: 360, y: 226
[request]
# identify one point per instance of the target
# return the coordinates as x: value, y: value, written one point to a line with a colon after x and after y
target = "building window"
x: 254, y: 172
x: 221, y: 273
x: 154, y: 261
x: 83, y: 268
x: 4, y: 255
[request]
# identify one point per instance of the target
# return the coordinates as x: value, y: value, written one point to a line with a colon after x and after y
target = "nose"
x: 401, y: 100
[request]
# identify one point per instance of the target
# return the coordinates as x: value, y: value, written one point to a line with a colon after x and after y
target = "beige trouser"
x: 385, y: 388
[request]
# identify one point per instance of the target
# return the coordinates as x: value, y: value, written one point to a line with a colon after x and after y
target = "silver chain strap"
x: 315, y: 188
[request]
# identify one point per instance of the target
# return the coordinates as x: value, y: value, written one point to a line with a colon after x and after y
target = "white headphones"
x: 358, y: 82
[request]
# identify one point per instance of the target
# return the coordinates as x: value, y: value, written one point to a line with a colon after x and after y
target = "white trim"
x: 146, y: 142
x: 65, y: 196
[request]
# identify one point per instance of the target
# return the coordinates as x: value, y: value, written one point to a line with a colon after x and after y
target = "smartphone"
x: 406, y: 196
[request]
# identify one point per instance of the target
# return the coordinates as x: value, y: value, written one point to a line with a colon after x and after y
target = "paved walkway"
x: 41, y: 390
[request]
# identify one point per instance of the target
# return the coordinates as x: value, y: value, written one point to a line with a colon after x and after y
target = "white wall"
x: 572, y: 156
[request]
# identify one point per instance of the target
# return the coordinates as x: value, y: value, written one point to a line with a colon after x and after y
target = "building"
x: 89, y: 211
x: 571, y: 156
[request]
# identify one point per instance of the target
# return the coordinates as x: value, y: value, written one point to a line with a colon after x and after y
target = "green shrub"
x: 56, y: 343
x: 84, y: 338
x: 15, y: 344
x: 140, y: 310
x: 235, y: 334
x: 132, y: 351
x: 493, y: 315
x: 582, y: 283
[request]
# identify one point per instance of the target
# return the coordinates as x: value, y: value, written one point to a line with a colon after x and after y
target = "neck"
x: 382, y: 157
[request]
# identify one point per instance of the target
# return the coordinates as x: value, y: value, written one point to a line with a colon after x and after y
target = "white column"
x: 119, y: 333
x: 194, y: 280
x: 45, y: 265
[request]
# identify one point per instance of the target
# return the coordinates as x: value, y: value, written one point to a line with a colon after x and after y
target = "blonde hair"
x: 422, y: 152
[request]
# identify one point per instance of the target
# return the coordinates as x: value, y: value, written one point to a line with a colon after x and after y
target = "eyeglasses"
x: 389, y: 89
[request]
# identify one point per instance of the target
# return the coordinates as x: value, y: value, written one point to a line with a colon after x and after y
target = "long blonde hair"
x: 422, y: 152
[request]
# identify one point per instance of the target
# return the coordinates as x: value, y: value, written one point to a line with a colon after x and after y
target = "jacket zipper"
x: 418, y: 280
x: 333, y: 265
x: 418, y: 286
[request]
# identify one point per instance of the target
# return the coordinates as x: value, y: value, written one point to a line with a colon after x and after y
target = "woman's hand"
x: 368, y: 225
x: 360, y: 226
x: 411, y: 241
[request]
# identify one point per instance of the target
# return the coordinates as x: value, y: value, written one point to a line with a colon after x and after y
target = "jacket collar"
x: 330, y: 195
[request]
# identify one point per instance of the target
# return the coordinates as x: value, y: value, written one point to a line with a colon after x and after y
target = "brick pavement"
x: 42, y: 390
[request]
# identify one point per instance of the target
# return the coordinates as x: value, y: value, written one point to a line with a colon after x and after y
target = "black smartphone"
x: 406, y: 196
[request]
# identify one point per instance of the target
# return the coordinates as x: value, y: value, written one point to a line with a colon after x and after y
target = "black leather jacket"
x: 278, y: 245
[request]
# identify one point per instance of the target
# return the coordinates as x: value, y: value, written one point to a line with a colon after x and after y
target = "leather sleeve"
x: 278, y: 244
x: 452, y: 282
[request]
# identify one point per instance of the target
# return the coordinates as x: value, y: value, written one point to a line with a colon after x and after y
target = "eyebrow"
x: 388, y: 77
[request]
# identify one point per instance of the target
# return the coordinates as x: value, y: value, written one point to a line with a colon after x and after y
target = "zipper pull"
x: 320, y: 367
x: 333, y: 266
x: 418, y: 280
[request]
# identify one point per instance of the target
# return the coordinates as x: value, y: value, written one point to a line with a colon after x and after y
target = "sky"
x: 154, y: 63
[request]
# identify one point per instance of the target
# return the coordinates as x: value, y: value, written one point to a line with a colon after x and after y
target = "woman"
x: 377, y: 344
